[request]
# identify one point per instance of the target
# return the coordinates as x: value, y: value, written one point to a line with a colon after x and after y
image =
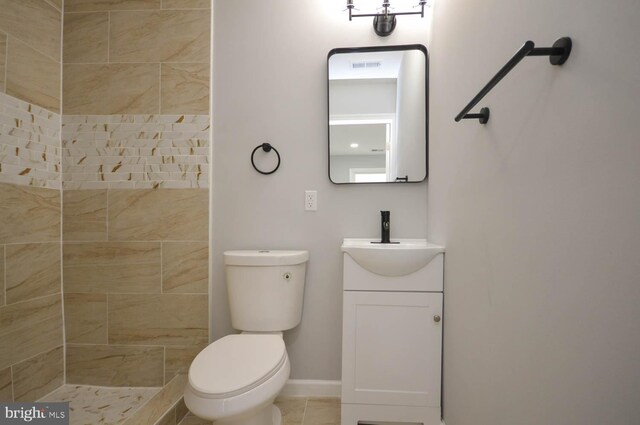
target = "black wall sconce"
x: 385, y: 22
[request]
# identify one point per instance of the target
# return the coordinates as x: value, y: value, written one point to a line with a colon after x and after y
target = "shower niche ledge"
x: 392, y: 331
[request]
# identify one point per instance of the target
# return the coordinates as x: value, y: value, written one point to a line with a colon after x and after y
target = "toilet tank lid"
x: 265, y: 257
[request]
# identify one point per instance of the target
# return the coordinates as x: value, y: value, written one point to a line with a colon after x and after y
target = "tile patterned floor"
x: 297, y: 411
x: 99, y: 405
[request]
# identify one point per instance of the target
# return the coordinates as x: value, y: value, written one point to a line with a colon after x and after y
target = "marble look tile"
x: 86, y: 37
x: 39, y: 375
x: 169, y: 418
x: 33, y: 214
x: 111, y: 253
x: 184, y: 88
x: 101, y: 267
x: 322, y: 411
x: 153, y: 411
x: 32, y: 76
x: 292, y: 409
x: 55, y: 3
x: 2, y: 287
x: 87, y: 403
x: 32, y: 270
x: 159, y: 36
x: 24, y: 343
x: 6, y: 389
x: 24, y: 158
x: 194, y: 420
x: 85, y: 89
x: 84, y: 215
x: 134, y: 89
x: 3, y: 59
x: 30, y: 181
x: 181, y: 410
x: 34, y: 22
x: 185, y: 267
x: 186, y: 4
x: 169, y: 215
x: 27, y: 315
x: 31, y: 177
x: 101, y: 5
x: 30, y: 112
x: 185, y: 36
x: 135, y: 36
x: 135, y: 151
x: 168, y: 319
x: 115, y: 365
x: 123, y: 278
x: 86, y: 318
x: 35, y: 131
x: 111, y: 89
x: 178, y: 359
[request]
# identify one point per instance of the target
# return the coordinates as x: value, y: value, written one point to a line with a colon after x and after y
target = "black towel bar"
x: 558, y: 54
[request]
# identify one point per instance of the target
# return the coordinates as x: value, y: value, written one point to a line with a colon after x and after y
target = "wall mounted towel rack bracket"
x: 482, y: 116
x: 558, y: 54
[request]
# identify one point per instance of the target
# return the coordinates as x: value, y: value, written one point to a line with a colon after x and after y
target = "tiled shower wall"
x: 31, y: 329
x: 31, y: 354
x: 30, y: 37
x: 134, y: 166
x: 135, y: 183
x: 29, y: 144
x: 135, y: 151
x: 30, y: 64
x: 135, y: 284
x: 136, y: 94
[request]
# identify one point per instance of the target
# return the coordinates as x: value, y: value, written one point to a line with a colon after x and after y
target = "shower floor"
x: 101, y: 405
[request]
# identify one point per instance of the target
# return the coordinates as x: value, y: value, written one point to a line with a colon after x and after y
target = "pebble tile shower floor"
x: 101, y: 405
x: 91, y: 405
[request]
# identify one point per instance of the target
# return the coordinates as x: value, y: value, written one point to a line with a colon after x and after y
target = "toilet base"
x: 276, y: 415
x: 268, y: 415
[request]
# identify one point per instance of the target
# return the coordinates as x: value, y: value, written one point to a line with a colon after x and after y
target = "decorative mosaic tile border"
x: 29, y: 144
x: 135, y: 151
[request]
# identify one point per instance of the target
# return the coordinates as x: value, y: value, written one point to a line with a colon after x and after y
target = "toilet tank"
x: 265, y: 288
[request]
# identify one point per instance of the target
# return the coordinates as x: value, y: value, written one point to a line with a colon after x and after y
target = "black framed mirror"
x: 378, y: 104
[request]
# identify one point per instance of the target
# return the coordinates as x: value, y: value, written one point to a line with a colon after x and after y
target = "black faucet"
x: 385, y: 226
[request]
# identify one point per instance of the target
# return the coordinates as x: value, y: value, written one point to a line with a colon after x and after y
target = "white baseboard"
x: 311, y: 388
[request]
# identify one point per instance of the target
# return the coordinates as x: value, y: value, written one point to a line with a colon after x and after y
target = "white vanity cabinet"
x: 392, y: 344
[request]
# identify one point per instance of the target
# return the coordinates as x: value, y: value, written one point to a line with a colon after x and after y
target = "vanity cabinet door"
x: 391, y: 348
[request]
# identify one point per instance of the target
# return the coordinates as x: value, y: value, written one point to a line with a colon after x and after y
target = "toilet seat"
x: 235, y: 364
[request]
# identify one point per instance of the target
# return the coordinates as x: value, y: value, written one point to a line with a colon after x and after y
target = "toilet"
x: 236, y: 378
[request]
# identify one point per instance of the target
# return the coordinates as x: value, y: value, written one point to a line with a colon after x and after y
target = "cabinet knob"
x: 436, y: 318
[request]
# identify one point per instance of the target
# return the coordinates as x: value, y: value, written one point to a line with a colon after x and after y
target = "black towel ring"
x: 267, y: 148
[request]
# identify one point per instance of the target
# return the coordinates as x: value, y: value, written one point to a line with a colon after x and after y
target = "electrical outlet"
x: 311, y: 200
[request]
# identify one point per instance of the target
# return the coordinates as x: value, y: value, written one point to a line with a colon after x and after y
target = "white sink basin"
x: 396, y: 259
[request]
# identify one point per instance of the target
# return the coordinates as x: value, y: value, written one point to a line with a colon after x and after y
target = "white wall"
x: 540, y: 213
x: 270, y: 83
x: 361, y: 97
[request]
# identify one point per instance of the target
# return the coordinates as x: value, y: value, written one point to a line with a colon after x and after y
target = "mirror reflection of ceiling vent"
x: 366, y: 64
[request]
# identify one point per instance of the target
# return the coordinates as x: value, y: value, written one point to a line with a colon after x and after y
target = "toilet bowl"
x: 235, y: 380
